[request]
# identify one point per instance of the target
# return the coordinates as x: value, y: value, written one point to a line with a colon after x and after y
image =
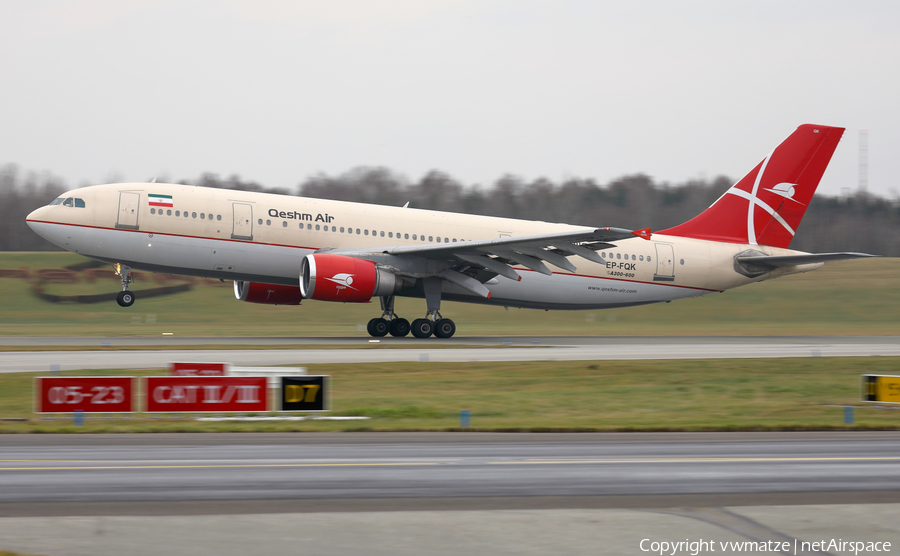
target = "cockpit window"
x: 56, y: 201
x: 68, y: 202
x: 79, y: 203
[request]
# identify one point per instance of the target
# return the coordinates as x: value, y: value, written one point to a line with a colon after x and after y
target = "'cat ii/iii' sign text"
x: 206, y: 394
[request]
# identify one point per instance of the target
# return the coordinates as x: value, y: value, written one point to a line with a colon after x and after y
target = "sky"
x: 275, y: 91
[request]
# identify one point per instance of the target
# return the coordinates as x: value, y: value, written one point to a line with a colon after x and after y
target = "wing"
x: 469, y: 264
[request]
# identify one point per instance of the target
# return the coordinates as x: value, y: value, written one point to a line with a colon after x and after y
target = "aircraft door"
x: 243, y: 221
x: 665, y: 263
x: 129, y: 203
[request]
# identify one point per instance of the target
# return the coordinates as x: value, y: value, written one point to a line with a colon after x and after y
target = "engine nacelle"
x: 338, y: 278
x: 268, y: 294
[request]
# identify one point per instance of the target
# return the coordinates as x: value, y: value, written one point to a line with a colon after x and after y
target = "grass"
x: 702, y: 395
x: 844, y: 298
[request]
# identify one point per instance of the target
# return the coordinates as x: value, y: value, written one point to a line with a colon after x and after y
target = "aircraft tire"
x: 125, y: 298
x: 378, y: 327
x: 422, y: 328
x: 399, y: 327
x: 444, y: 328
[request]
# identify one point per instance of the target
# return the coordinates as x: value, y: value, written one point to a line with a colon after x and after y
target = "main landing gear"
x: 432, y: 324
x: 389, y: 322
x: 126, y: 296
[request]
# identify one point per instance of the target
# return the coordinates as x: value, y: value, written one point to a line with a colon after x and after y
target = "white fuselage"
x: 261, y: 237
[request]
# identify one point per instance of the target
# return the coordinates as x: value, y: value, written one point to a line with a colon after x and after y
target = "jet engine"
x: 338, y: 278
x: 268, y: 294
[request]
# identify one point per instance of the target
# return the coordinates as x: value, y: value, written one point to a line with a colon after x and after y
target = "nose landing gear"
x: 125, y: 298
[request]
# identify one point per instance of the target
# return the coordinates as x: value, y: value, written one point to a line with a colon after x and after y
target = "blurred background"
x: 617, y: 114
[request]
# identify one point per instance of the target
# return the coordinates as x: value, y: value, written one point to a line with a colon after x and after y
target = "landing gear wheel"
x: 399, y: 327
x: 444, y: 328
x: 125, y: 298
x: 378, y: 327
x: 422, y: 328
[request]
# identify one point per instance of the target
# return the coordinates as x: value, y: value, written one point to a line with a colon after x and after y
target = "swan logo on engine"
x: 343, y: 281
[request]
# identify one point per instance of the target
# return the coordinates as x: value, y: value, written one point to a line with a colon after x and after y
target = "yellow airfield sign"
x: 881, y: 388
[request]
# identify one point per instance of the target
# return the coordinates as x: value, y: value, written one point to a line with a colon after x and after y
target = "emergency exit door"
x: 129, y: 203
x: 243, y: 221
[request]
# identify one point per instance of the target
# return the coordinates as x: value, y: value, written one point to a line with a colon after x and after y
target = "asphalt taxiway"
x: 104, y: 355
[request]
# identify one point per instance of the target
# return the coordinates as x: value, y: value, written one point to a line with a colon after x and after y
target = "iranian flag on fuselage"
x: 159, y: 200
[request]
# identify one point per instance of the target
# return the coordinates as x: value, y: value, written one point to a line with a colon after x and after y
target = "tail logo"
x: 343, y: 281
x: 785, y: 190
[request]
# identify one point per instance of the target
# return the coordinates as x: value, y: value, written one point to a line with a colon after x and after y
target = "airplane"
x: 280, y: 249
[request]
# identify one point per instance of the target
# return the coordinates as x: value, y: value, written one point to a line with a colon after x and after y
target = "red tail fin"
x: 766, y: 206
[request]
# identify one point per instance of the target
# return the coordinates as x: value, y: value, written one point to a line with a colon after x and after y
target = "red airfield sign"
x: 206, y: 394
x: 90, y: 394
x: 198, y: 369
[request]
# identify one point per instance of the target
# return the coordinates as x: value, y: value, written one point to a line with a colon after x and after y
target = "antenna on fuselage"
x: 406, y: 205
x: 153, y: 180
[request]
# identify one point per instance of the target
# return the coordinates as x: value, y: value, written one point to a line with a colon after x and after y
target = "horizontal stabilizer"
x: 776, y: 261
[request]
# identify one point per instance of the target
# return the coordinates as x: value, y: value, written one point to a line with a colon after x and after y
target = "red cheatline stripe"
x: 161, y: 204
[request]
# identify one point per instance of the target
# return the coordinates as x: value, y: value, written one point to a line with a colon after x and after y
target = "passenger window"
x: 390, y: 234
x: 382, y: 234
x: 438, y: 239
x: 56, y: 201
x: 193, y: 215
x: 603, y: 255
x: 648, y: 258
x: 618, y: 255
x: 446, y: 240
x: 429, y: 238
x: 187, y: 215
x: 317, y: 227
x: 218, y: 217
x: 177, y: 213
x: 202, y: 216
x: 79, y: 203
x: 268, y: 222
x: 342, y: 229
x: 334, y: 229
x: 642, y: 257
x: 632, y: 258
x: 210, y: 217
x: 454, y: 240
x: 284, y: 223
x: 68, y: 202
x: 367, y: 232
x: 357, y: 231
x: 260, y: 221
x: 169, y: 212
x: 153, y: 211
x: 422, y: 238
x: 414, y: 236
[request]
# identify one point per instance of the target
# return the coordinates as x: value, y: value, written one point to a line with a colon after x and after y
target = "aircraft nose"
x: 33, y: 220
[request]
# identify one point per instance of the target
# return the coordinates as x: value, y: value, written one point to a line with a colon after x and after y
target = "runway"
x: 560, y: 470
x: 360, y: 350
x: 445, y: 493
